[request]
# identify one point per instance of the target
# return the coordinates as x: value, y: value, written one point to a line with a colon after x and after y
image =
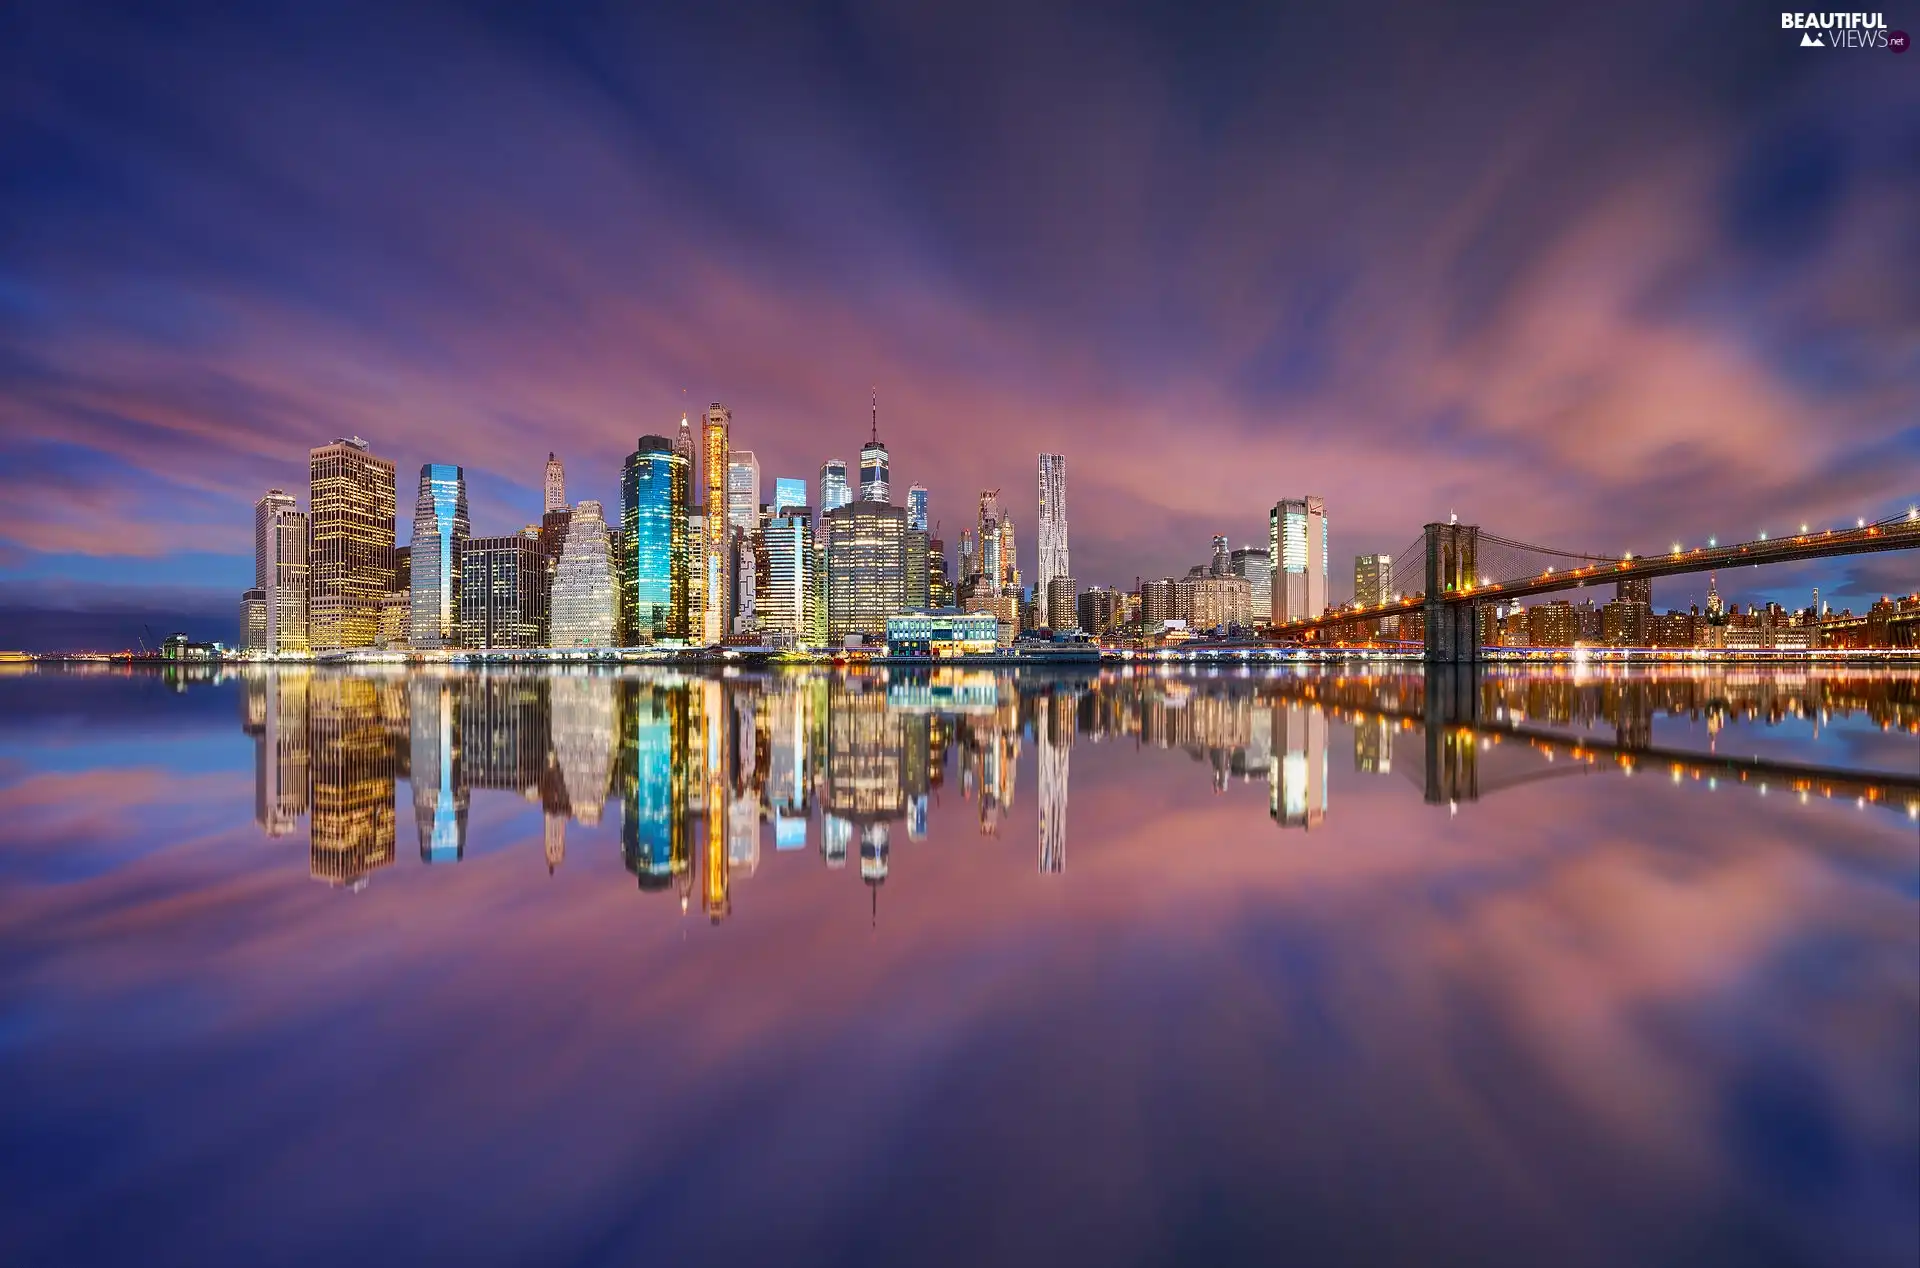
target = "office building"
x: 1624, y: 622
x: 743, y: 490
x: 1053, y: 560
x: 1297, y: 550
x: 1159, y: 603
x: 556, y: 484
x: 1100, y: 610
x: 1009, y: 556
x: 1252, y: 563
x: 1221, y: 563
x: 503, y: 591
x: 280, y: 572
x: 1208, y: 602
x: 1640, y: 590
x: 440, y: 532
x: 253, y: 620
x: 875, y: 480
x: 1372, y: 580
x: 788, y: 492
x: 683, y: 444
x: 1553, y: 624
x: 834, y: 489
x: 941, y: 633
x: 939, y: 582
x: 866, y: 567
x: 656, y: 560
x: 713, y: 564
x: 786, y: 608
x: 584, y: 587
x: 1063, y: 603
x: 917, y: 507
x: 350, y: 544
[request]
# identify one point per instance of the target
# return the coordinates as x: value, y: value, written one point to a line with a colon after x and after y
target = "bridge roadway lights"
x: 1453, y: 712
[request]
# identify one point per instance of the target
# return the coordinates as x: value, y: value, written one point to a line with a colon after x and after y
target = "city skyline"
x: 1736, y: 365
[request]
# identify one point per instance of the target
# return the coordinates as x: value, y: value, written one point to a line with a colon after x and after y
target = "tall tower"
x: 743, y: 490
x: 280, y: 570
x: 556, y: 484
x: 917, y: 508
x: 1297, y: 552
x: 653, y: 517
x: 1053, y: 521
x: 683, y: 445
x: 716, y: 453
x: 835, y: 492
x: 440, y: 531
x: 350, y: 543
x: 264, y: 511
x: 874, y: 482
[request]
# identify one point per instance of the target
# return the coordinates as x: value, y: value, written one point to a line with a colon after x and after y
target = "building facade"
x: 585, y: 597
x: 716, y: 454
x: 1100, y: 610
x: 440, y: 531
x: 876, y: 479
x: 556, y: 499
x: 280, y: 572
x: 786, y: 608
x: 350, y: 544
x: 743, y: 490
x: 835, y: 492
x: 1053, y: 560
x: 503, y: 589
x: 1297, y: 550
x: 788, y: 492
x: 1252, y: 563
x: 917, y: 507
x: 656, y: 560
x: 1209, y: 602
x: 1063, y: 602
x: 866, y: 567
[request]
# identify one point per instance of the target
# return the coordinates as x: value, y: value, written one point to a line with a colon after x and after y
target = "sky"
x: 1599, y: 277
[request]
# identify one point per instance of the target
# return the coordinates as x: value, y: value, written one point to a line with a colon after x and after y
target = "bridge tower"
x: 1452, y: 622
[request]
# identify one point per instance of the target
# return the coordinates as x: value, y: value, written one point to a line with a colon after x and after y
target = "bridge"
x: 1464, y: 568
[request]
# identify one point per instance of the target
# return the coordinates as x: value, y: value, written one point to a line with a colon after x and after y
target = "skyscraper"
x: 350, y: 544
x: 917, y: 507
x: 743, y: 490
x: 1009, y: 556
x: 866, y: 567
x: 788, y: 491
x: 1372, y: 580
x: 280, y: 572
x: 1053, y: 523
x: 1251, y: 562
x: 834, y: 490
x: 986, y: 555
x: 503, y: 591
x: 1062, y: 602
x: 584, y: 596
x: 1297, y: 550
x: 787, y: 609
x: 556, y: 484
x: 875, y: 485
x: 713, y: 564
x: 1222, y: 563
x: 653, y: 506
x: 440, y: 531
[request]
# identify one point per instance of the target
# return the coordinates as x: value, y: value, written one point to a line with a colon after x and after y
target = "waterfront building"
x: 788, y: 492
x: 1159, y: 603
x: 1099, y: 609
x: 835, y: 492
x: 875, y: 479
x: 743, y: 490
x: 917, y: 507
x: 1053, y: 561
x: 940, y: 633
x: 1553, y: 624
x: 396, y: 618
x: 786, y: 608
x: 350, y: 544
x: 584, y: 596
x: 655, y: 560
x: 1297, y: 552
x: 253, y: 620
x: 503, y: 591
x: 915, y: 592
x: 280, y: 572
x: 1209, y: 602
x: 716, y: 437
x: 440, y: 531
x: 1624, y: 622
x: 866, y: 566
x: 696, y: 574
x: 556, y: 490
x: 744, y: 564
x: 1252, y: 563
x: 1062, y: 603
x: 1005, y: 610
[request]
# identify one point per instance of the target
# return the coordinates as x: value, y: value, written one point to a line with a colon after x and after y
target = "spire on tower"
x: 876, y: 414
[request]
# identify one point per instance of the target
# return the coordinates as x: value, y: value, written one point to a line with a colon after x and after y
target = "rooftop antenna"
x: 876, y: 414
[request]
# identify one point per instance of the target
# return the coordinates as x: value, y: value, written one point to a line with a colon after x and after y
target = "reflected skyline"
x: 743, y: 763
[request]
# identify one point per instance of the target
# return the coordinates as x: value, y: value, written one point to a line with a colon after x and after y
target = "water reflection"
x: 700, y: 765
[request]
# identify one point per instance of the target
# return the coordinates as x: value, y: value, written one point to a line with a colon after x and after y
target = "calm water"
x: 325, y: 968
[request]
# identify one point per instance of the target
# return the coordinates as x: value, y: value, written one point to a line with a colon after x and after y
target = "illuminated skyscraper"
x: 440, y: 532
x: 556, y: 483
x: 866, y: 567
x: 1062, y: 603
x: 917, y: 507
x: 743, y: 490
x: 1222, y: 562
x: 716, y: 453
x: 584, y: 600
x: 875, y: 483
x: 788, y: 491
x: 1372, y: 580
x: 1009, y: 556
x: 834, y: 490
x: 1297, y: 548
x: 987, y: 563
x: 787, y: 609
x: 684, y: 446
x: 653, y: 502
x: 503, y: 591
x: 1251, y: 562
x: 1053, y: 522
x: 350, y: 544
x: 280, y: 571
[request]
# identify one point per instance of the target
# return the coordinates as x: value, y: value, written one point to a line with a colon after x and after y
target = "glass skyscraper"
x: 1297, y: 551
x: 788, y: 491
x: 866, y: 567
x: 503, y: 591
x: 743, y: 490
x: 917, y: 508
x: 350, y: 544
x: 655, y: 563
x: 834, y: 489
x: 1053, y: 523
x: 875, y: 477
x: 787, y: 607
x: 440, y: 531
x: 280, y: 572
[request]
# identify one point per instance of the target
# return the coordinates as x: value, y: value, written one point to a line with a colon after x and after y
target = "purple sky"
x: 1605, y: 279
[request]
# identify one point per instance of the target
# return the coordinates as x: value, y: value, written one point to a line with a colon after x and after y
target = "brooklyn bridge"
x: 1464, y: 568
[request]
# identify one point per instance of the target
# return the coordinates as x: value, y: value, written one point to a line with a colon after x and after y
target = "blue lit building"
x: 942, y: 633
x: 439, y: 538
x: 917, y: 508
x: 656, y: 559
x: 788, y: 491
